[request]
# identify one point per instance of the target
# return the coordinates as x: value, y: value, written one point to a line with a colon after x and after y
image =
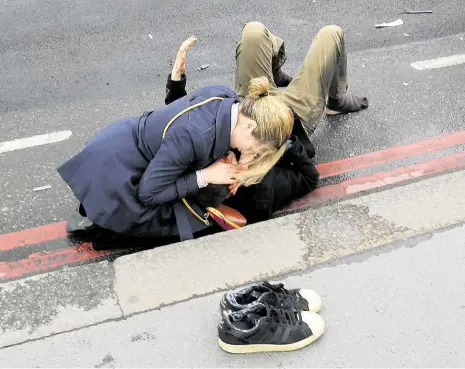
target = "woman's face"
x: 243, y: 140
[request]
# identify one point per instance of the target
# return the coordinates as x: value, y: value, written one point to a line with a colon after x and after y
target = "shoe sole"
x: 333, y: 112
x: 248, y: 349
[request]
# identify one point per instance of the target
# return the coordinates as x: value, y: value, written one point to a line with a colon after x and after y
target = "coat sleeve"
x: 295, y: 175
x: 299, y: 131
x: 166, y: 177
x: 175, y: 89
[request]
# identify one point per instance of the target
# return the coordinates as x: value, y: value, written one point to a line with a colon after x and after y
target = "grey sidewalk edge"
x: 77, y: 297
x: 154, y: 278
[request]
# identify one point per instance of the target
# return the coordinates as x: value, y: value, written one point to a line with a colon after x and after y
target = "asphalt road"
x: 410, y: 314
x: 79, y: 65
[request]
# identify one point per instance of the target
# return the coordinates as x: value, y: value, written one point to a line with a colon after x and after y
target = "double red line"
x: 44, y: 261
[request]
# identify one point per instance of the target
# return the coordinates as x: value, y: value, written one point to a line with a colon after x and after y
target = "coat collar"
x: 223, y: 127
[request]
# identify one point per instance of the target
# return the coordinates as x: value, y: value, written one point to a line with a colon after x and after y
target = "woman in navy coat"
x: 130, y: 177
x: 294, y: 176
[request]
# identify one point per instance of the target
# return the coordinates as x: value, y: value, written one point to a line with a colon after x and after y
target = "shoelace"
x: 280, y: 291
x: 280, y: 315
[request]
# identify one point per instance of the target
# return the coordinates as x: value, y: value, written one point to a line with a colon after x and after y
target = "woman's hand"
x: 222, y: 172
x: 234, y: 187
x: 179, y: 66
x: 231, y: 159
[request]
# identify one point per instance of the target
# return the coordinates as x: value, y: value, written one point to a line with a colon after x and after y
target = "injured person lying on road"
x: 214, y: 156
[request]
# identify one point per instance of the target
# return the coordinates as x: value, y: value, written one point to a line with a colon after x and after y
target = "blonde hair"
x: 274, y: 126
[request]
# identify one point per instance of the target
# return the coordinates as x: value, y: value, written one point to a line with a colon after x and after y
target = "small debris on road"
x: 150, y: 36
x: 396, y: 23
x: 418, y: 12
x: 405, y: 84
x: 203, y: 67
x: 406, y: 34
x: 47, y: 187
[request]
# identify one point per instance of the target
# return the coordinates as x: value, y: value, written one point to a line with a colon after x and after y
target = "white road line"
x: 446, y: 61
x: 24, y: 143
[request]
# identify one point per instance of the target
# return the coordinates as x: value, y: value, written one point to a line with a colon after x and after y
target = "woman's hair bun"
x: 258, y: 87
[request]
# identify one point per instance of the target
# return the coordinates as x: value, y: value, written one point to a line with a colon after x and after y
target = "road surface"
x: 69, y: 68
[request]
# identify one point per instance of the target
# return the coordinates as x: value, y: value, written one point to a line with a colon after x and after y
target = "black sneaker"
x: 273, y: 294
x: 262, y: 328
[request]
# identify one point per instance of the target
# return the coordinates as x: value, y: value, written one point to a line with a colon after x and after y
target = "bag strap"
x: 204, y: 220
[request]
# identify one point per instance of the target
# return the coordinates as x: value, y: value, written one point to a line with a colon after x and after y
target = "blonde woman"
x: 131, y: 178
x: 294, y: 176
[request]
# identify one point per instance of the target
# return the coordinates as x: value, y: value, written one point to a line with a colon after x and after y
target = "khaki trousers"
x: 322, y: 74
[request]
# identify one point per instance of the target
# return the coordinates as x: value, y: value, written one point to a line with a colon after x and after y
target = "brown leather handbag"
x: 227, y: 218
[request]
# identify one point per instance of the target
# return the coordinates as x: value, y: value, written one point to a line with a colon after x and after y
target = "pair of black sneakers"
x: 267, y: 317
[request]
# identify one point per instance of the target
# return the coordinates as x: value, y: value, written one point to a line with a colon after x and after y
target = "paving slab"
x: 400, y: 306
x: 54, y: 302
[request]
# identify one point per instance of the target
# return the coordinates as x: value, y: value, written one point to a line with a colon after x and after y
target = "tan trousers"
x: 322, y: 74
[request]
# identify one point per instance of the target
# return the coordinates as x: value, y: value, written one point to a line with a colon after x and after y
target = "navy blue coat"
x: 131, y: 181
x: 294, y: 176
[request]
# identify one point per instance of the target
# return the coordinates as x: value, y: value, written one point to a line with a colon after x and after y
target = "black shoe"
x: 263, y: 328
x: 347, y: 103
x: 273, y: 294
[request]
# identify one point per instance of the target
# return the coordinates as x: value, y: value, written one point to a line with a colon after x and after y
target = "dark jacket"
x: 294, y: 176
x: 130, y: 181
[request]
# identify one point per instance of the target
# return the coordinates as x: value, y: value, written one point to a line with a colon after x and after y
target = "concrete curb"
x: 296, y: 242
x: 77, y: 297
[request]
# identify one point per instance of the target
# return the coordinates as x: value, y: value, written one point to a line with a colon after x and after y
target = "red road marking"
x: 51, y: 260
x: 47, y: 261
x: 41, y: 262
x: 49, y: 232
x: 391, y: 154
x: 54, y: 231
x: 381, y: 179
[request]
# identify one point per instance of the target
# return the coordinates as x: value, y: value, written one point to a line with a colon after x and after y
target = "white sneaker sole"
x: 317, y: 325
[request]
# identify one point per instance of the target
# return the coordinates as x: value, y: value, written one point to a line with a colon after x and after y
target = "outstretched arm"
x: 176, y: 84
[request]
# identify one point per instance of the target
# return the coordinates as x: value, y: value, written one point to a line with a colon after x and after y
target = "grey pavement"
x: 400, y: 306
x: 76, y: 297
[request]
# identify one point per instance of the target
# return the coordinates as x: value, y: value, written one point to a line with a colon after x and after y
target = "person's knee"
x: 332, y: 31
x: 254, y: 32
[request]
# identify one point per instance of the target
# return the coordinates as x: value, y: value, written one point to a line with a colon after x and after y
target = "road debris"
x: 418, y: 12
x: 47, y: 187
x: 405, y: 84
x: 203, y: 67
x: 396, y: 23
x: 150, y: 36
x: 406, y: 34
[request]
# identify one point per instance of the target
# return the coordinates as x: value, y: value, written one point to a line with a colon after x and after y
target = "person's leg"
x: 323, y: 74
x: 258, y: 54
